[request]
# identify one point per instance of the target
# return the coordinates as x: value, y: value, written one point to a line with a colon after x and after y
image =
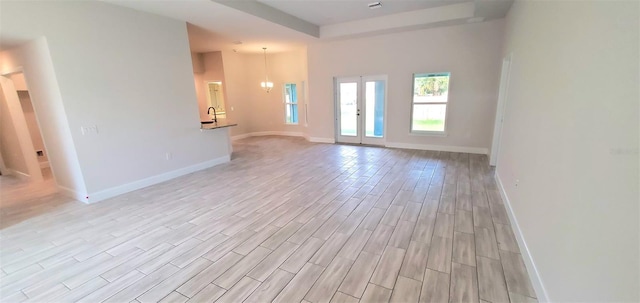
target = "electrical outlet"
x: 168, y: 156
x: 517, y: 182
x: 87, y: 130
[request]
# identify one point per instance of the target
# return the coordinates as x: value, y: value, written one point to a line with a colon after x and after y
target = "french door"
x: 360, y: 109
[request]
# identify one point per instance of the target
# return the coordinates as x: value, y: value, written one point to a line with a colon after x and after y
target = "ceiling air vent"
x: 375, y: 5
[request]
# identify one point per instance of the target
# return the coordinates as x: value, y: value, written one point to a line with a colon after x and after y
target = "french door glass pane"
x: 428, y: 117
x: 374, y: 104
x: 291, y: 113
x: 348, y: 109
x: 294, y: 113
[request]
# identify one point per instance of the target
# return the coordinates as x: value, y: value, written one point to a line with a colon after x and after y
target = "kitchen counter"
x: 225, y: 130
x: 216, y: 125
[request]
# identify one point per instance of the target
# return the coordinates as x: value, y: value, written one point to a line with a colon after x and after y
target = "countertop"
x: 220, y: 124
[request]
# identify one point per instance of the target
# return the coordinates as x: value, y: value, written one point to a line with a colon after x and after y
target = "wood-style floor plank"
x: 271, y: 287
x: 358, y: 276
x: 464, y: 284
x: 515, y: 274
x: 284, y: 221
x: 375, y: 293
x: 415, y: 261
x: 435, y: 287
x: 491, y: 283
x: 388, y: 267
x: 328, y: 283
x: 300, y: 284
x: 406, y: 290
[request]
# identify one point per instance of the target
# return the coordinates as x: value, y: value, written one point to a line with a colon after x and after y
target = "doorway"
x: 22, y: 147
x: 215, y: 97
x: 361, y: 110
x: 500, y: 109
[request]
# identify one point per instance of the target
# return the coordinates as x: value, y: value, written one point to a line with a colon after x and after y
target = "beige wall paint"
x: 570, y: 140
x: 18, y: 81
x: 470, y: 52
x: 238, y: 102
x: 268, y: 110
x: 212, y: 71
x: 32, y: 124
x: 18, y: 132
x: 35, y: 60
x: 196, y: 61
x: 133, y: 79
x: 254, y: 109
x: 9, y: 142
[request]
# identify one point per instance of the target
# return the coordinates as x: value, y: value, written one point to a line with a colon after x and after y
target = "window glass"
x: 429, y: 104
x: 290, y: 103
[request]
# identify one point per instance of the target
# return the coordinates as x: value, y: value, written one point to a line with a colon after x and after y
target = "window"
x: 290, y: 104
x: 429, y: 105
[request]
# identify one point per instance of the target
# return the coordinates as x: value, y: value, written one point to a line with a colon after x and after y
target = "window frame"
x: 442, y: 133
x: 286, y: 104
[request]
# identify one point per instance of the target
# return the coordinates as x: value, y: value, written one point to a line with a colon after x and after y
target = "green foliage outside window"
x: 431, y: 85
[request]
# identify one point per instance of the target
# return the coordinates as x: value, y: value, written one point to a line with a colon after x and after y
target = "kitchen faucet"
x: 215, y: 116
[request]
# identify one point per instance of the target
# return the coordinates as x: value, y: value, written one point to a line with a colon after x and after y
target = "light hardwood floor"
x: 285, y: 221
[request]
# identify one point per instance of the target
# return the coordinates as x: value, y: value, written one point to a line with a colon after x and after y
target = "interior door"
x: 360, y: 114
x: 500, y: 109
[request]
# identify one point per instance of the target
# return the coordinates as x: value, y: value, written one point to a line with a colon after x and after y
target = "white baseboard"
x: 44, y: 164
x: 281, y: 133
x: 20, y: 175
x: 267, y: 133
x: 534, y: 275
x: 82, y: 197
x: 447, y: 148
x: 239, y: 137
x: 277, y: 133
x: 125, y: 188
x: 321, y: 140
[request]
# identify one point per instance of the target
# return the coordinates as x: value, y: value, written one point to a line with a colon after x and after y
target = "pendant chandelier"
x: 266, y: 85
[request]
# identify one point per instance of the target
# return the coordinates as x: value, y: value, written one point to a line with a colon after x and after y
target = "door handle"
x: 358, y: 114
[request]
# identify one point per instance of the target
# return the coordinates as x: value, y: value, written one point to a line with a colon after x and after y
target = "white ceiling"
x: 213, y: 26
x: 325, y: 12
x: 283, y: 25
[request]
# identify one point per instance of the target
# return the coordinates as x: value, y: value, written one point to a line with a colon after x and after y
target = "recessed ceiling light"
x: 375, y: 5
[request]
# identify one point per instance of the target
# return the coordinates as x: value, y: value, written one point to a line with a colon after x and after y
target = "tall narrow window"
x: 290, y: 104
x: 429, y: 105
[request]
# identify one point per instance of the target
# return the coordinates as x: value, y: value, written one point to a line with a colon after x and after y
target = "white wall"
x: 129, y: 74
x: 470, y: 52
x: 571, y: 139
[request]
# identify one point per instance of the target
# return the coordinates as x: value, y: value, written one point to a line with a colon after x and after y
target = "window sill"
x: 428, y: 133
x: 290, y: 123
